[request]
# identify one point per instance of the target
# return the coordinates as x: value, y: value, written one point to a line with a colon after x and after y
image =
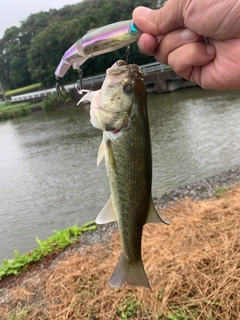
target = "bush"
x: 52, y: 102
x: 9, y: 113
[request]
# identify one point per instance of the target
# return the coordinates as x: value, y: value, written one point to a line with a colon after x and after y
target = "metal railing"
x: 90, y: 81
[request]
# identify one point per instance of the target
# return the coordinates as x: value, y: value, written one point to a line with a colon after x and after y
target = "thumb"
x: 161, y: 21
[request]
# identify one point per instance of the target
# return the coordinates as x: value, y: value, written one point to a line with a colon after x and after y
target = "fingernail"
x: 211, y: 51
x: 187, y: 34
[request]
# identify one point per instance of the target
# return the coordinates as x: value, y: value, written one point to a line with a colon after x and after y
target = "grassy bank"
x: 23, y: 89
x: 193, y: 266
x: 60, y: 240
x: 10, y: 111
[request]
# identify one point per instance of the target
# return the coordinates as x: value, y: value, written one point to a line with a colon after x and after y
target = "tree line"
x: 30, y: 53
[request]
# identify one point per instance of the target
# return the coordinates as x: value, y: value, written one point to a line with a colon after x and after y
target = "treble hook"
x: 80, y: 89
x: 59, y: 94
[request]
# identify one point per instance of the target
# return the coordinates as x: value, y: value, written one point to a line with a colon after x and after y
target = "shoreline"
x: 192, y: 265
x: 200, y: 190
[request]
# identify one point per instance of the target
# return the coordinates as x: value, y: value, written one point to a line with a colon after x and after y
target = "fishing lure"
x: 96, y: 42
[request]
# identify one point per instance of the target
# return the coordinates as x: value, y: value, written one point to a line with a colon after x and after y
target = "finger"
x: 174, y: 40
x: 147, y: 44
x: 186, y: 59
x: 161, y: 21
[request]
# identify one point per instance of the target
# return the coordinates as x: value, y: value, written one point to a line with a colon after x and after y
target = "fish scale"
x: 131, y: 181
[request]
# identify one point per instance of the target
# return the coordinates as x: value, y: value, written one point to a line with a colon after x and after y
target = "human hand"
x: 200, y: 40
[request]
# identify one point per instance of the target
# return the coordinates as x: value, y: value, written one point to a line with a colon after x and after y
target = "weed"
x: 8, y: 105
x: 60, y: 240
x: 179, y: 313
x: 130, y: 307
x: 9, y: 111
x: 25, y: 111
x: 220, y: 191
x: 19, y: 315
x: 51, y: 103
x: 214, y: 303
x: 159, y: 294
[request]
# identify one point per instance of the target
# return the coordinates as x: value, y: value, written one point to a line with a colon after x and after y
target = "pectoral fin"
x: 100, y: 152
x: 153, y: 216
x: 88, y: 97
x: 107, y: 213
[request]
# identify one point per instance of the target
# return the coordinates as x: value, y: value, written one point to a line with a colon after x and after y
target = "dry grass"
x: 193, y: 266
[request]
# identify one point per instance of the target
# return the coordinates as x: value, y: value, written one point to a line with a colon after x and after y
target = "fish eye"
x: 128, y: 89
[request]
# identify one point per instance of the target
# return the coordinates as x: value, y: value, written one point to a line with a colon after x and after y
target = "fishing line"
x: 127, y: 53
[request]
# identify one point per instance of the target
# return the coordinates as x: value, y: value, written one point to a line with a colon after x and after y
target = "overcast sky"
x: 15, y: 11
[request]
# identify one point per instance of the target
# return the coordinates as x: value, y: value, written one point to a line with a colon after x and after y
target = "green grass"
x: 52, y: 101
x: 129, y: 307
x: 23, y: 89
x: 60, y: 240
x: 9, y: 105
x: 19, y: 315
x: 8, y: 110
x: 220, y: 191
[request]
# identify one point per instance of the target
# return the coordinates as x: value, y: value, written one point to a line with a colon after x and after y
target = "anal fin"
x: 153, y: 216
x: 107, y: 214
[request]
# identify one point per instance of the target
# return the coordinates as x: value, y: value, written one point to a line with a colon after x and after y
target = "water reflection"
x: 48, y: 174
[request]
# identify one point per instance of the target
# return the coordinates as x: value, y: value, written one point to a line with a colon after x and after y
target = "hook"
x: 59, y: 94
x: 80, y: 89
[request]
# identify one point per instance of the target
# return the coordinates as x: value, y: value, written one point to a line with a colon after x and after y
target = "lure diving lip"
x: 96, y: 42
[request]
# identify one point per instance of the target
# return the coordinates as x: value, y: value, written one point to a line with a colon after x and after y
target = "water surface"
x: 48, y: 174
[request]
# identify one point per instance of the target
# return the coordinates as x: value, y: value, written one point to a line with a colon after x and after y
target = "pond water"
x: 48, y: 174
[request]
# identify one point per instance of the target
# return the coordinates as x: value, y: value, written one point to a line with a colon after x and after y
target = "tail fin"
x: 131, y: 273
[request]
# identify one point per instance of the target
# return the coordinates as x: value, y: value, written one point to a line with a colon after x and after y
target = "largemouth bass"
x: 119, y: 109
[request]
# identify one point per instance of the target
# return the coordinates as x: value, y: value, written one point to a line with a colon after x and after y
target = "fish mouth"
x: 110, y: 128
x: 118, y: 132
x: 115, y: 134
x: 115, y: 131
